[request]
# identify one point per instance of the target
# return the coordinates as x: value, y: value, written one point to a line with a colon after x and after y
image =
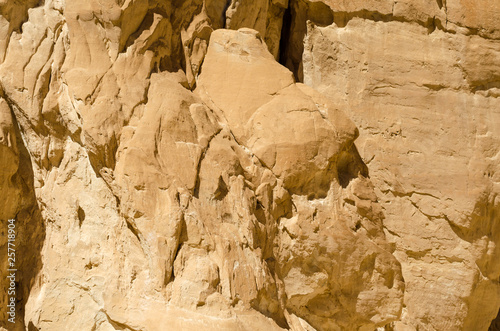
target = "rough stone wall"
x: 251, y: 165
x: 422, y: 85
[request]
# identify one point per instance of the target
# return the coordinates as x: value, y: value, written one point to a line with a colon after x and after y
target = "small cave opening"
x: 349, y: 166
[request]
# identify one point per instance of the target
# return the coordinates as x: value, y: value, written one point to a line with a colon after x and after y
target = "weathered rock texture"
x: 251, y: 165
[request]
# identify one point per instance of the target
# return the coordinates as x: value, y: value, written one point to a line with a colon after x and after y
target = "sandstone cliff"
x: 251, y: 165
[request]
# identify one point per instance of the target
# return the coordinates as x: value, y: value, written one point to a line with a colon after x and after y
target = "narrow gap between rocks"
x: 285, y: 36
x: 495, y: 324
x: 294, y: 30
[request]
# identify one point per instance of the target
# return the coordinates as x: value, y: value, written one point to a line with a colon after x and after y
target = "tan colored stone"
x: 232, y: 56
x: 428, y: 132
x: 480, y: 16
x: 166, y: 172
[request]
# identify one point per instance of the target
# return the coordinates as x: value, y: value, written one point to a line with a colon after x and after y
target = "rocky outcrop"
x: 428, y: 116
x: 251, y: 165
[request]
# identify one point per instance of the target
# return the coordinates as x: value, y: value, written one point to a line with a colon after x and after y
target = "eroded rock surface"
x: 251, y: 165
x: 426, y: 104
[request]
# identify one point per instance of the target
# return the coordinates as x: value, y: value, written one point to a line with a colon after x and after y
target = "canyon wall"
x: 251, y: 165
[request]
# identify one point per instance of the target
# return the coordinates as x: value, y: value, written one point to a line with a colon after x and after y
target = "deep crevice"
x: 294, y: 29
x: 285, y: 36
x: 171, y: 277
x: 30, y: 229
x: 224, y: 15
x: 196, y: 189
x: 133, y: 228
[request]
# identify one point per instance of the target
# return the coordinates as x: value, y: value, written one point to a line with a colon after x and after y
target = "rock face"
x: 251, y: 165
x: 429, y: 118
